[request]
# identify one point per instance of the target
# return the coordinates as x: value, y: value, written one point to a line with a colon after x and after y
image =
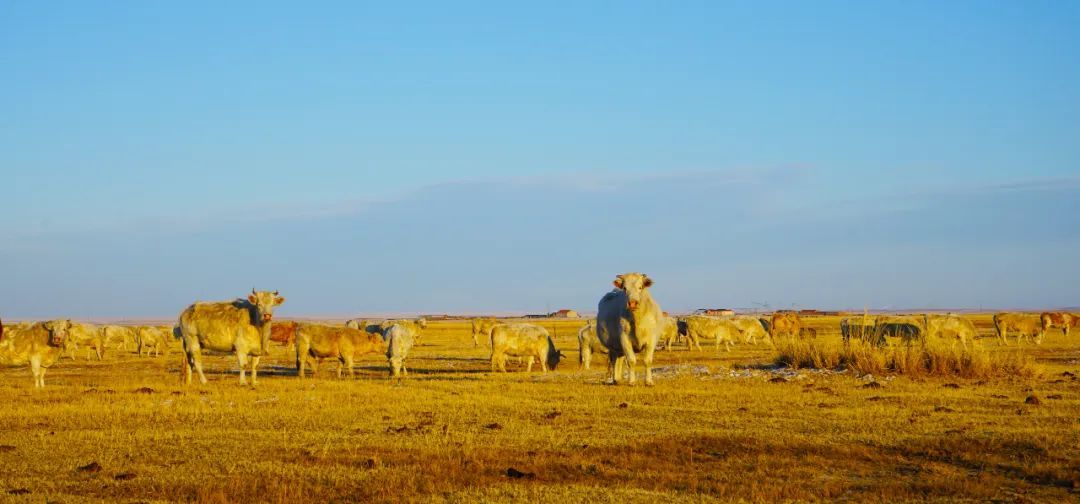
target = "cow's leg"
x: 528, y: 365
x: 585, y: 357
x: 255, y: 370
x: 349, y: 365
x: 627, y: 347
x: 197, y: 362
x: 494, y: 362
x: 241, y: 358
x: 613, y: 368
x: 35, y: 369
x: 647, y: 361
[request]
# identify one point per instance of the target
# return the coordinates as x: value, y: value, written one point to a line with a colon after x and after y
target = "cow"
x: 860, y: 328
x: 523, y: 340
x: 950, y: 326
x: 1063, y: 320
x: 1026, y: 325
x: 241, y: 326
x: 751, y: 329
x: 150, y: 338
x: 413, y: 326
x: 588, y: 344
x: 121, y: 336
x: 481, y: 329
x: 629, y: 321
x: 284, y: 332
x: 786, y: 323
x: 87, y: 335
x: 40, y: 345
x: 399, y: 339
x: 907, y: 328
x: 316, y: 341
x: 670, y: 332
x: 721, y: 330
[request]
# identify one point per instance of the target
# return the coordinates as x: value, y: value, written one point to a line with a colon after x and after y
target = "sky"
x: 499, y: 157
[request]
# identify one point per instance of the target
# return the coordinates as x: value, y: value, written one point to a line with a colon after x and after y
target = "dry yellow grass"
x: 718, y: 426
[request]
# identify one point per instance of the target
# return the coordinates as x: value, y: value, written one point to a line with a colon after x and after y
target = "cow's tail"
x: 999, y: 325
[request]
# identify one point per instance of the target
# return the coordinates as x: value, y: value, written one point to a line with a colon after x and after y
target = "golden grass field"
x: 716, y: 427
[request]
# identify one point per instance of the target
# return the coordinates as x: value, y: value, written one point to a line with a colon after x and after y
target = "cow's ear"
x: 618, y: 283
x: 647, y: 283
x: 252, y: 299
x: 278, y: 300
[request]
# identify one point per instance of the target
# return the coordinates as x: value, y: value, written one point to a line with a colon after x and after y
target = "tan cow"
x: 87, y: 335
x: 152, y: 339
x: 1063, y: 320
x: 751, y: 329
x: 786, y: 323
x: 315, y: 342
x: 523, y: 340
x: 40, y: 345
x: 1026, y: 325
x: 723, y: 331
x: 241, y: 327
x: 588, y: 344
x: 481, y: 329
x: 950, y: 326
x: 121, y: 336
x: 629, y: 321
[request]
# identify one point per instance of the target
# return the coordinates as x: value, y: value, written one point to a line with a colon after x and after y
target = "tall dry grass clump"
x: 920, y: 358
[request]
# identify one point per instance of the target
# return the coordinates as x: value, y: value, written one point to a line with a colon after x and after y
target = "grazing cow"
x: 284, y: 332
x: 523, y: 340
x: 1026, y: 325
x: 629, y: 321
x: 1063, y: 320
x: 241, y: 326
x: 721, y: 330
x: 786, y: 323
x: 399, y: 340
x: 906, y: 328
x: 860, y: 328
x: 40, y: 345
x: 87, y: 335
x: 121, y: 336
x: 316, y: 341
x: 670, y: 332
x: 588, y: 344
x: 413, y: 326
x: 950, y: 326
x: 751, y: 329
x: 154, y: 339
x: 481, y: 329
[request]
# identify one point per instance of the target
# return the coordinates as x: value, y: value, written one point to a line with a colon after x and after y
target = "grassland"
x: 717, y: 427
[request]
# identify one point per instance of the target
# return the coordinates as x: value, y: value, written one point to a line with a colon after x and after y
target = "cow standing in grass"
x: 481, y: 329
x: 316, y: 341
x: 1026, y: 325
x: 152, y: 339
x: 629, y: 321
x: 905, y: 327
x: 950, y: 326
x: 121, y: 336
x: 860, y: 328
x: 40, y: 345
x: 787, y: 324
x: 723, y: 331
x: 588, y: 344
x: 241, y: 327
x: 751, y: 329
x: 1063, y: 320
x: 523, y: 340
x: 87, y: 335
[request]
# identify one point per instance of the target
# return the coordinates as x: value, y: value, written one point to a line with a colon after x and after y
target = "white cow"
x: 523, y: 340
x: 629, y: 321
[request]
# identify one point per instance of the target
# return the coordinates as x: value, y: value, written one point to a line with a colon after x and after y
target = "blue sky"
x: 508, y: 157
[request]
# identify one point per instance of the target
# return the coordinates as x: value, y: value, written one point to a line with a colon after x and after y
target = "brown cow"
x: 284, y: 332
x: 787, y: 323
x: 1026, y: 325
x: 39, y: 345
x: 316, y: 341
x: 1063, y: 320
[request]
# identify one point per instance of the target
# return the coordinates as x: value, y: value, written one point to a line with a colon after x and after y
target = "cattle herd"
x: 629, y: 326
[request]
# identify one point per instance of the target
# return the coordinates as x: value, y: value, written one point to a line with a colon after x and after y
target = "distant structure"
x: 715, y: 312
x: 818, y: 313
x: 564, y: 313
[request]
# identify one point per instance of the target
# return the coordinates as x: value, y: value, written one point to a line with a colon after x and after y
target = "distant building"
x: 564, y: 313
x: 715, y: 312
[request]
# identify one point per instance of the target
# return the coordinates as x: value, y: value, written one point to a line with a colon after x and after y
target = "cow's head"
x: 264, y: 303
x: 58, y: 331
x: 634, y: 285
x: 553, y: 358
x: 421, y: 323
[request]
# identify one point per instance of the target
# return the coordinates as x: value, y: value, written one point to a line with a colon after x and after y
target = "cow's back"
x: 217, y: 324
x: 518, y: 339
x: 21, y: 344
